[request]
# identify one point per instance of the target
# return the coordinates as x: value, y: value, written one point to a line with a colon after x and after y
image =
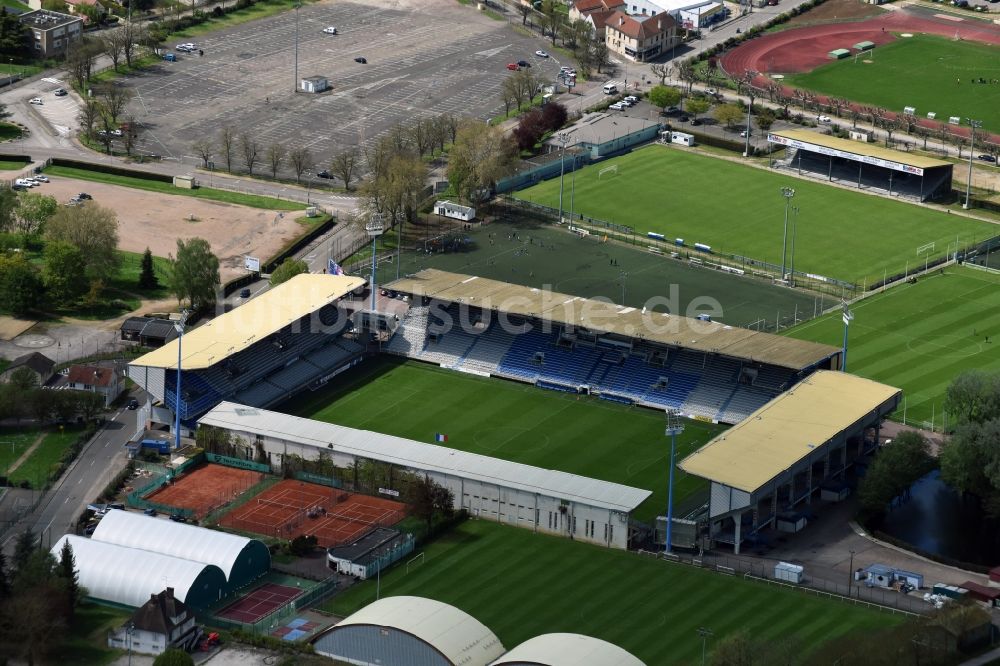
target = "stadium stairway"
x: 411, y: 335
x: 487, y: 351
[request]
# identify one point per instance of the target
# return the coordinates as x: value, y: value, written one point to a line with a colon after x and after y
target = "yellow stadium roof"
x: 862, y: 149
x: 602, y: 316
x: 253, y: 321
x: 787, y: 429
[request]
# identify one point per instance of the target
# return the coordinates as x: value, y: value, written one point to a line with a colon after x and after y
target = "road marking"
x: 493, y: 52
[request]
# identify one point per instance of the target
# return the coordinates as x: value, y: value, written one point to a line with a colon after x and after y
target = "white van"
x: 610, y: 89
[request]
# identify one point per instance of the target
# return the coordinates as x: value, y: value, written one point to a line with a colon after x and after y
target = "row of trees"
x: 39, y: 595
x: 970, y: 459
x: 22, y: 398
x: 577, y: 35
x: 520, y: 88
x: 535, y: 124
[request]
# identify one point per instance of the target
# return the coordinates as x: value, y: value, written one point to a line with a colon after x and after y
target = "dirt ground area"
x: 10, y: 327
x: 156, y: 221
x: 835, y: 9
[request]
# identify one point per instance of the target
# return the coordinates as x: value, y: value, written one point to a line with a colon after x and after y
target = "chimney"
x: 621, y: 20
x: 170, y: 592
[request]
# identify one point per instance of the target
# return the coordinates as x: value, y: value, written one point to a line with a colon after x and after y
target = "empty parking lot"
x: 434, y: 57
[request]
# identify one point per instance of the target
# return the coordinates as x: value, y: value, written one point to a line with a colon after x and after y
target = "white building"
x: 567, y: 650
x: 539, y: 499
x: 161, y: 623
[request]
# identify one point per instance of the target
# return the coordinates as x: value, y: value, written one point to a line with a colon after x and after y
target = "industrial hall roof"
x: 602, y: 316
x: 252, y: 322
x: 787, y: 429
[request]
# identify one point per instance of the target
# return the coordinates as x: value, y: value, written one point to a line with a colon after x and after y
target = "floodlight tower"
x: 674, y: 427
x: 563, y: 139
x: 374, y: 228
x: 848, y: 318
x: 788, y: 193
x: 974, y: 125
x: 179, y: 327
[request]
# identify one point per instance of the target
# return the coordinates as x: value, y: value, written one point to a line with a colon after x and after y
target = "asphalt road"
x: 93, y: 469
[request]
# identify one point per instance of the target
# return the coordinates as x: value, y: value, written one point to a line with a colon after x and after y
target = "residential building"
x: 148, y: 331
x: 96, y: 379
x: 39, y: 364
x: 51, y: 32
x: 161, y: 623
x: 595, y: 12
x: 640, y: 38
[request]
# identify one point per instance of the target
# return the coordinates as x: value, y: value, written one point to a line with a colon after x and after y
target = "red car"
x: 512, y: 66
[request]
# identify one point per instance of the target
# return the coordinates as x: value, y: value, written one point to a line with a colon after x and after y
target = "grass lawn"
x: 130, y: 269
x: 7, y: 165
x: 37, y: 468
x: 14, y: 4
x: 921, y: 71
x: 13, y: 443
x: 671, y: 192
x: 521, y: 584
x: 494, y: 417
x: 86, y: 641
x: 919, y: 337
x: 564, y: 262
x: 9, y: 132
x: 250, y: 200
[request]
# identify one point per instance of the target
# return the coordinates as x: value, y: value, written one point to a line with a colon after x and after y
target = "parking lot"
x: 436, y: 57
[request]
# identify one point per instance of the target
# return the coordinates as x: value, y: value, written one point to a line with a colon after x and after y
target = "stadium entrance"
x: 863, y: 165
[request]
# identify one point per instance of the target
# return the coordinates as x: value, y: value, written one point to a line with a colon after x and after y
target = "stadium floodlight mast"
x: 179, y: 327
x: 974, y: 125
x: 746, y: 151
x: 374, y: 228
x: 848, y: 318
x: 674, y: 428
x: 788, y: 193
x: 563, y: 139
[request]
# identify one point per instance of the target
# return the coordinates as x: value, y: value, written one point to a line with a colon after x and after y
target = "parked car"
x: 695, y: 121
x: 988, y: 158
x: 331, y: 30
x: 245, y: 292
x: 618, y: 106
x: 35, y: 100
x: 133, y: 404
x: 324, y: 174
x: 24, y: 182
x: 170, y: 57
x: 150, y: 512
x: 512, y: 66
x: 363, y: 61
x: 41, y: 178
x: 824, y: 119
x: 744, y: 134
x: 178, y: 518
x: 631, y: 99
x: 523, y: 63
x: 683, y: 119
x: 60, y: 92
x: 671, y: 110
x: 713, y: 92
x: 83, y: 196
x: 541, y: 54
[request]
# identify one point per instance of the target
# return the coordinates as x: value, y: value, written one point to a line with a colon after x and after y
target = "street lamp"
x: 129, y: 630
x: 374, y: 228
x: 563, y: 139
x: 974, y: 125
x: 788, y: 193
x: 674, y: 428
x: 795, y: 226
x: 623, y: 276
x: 179, y: 327
x: 704, y: 633
x: 850, y: 575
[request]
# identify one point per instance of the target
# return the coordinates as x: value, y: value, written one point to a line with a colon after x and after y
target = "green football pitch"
x: 521, y: 584
x: 517, y: 422
x: 543, y: 255
x: 928, y: 72
x: 919, y: 337
x: 737, y: 209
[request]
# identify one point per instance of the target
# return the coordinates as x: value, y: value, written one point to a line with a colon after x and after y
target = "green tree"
x: 480, y: 156
x: 970, y: 459
x: 664, y: 96
x: 765, y: 118
x: 429, y: 499
x: 24, y: 545
x: 973, y: 397
x: 64, y: 272
x: 71, y: 577
x: 894, y: 470
x: 697, y: 106
x: 20, y: 285
x: 736, y: 649
x: 33, y: 211
x: 174, y: 657
x: 8, y: 208
x: 194, y: 272
x: 552, y: 18
x: 288, y: 269
x: 94, y: 230
x: 24, y: 379
x: 729, y: 115
x: 147, y: 273
x: 4, y: 577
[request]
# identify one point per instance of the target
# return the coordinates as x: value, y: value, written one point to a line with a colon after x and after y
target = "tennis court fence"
x: 311, y: 597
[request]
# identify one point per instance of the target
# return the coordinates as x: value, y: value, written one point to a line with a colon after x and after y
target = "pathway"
x: 24, y: 456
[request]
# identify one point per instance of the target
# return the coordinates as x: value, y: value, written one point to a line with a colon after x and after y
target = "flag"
x: 440, y: 437
x: 333, y: 268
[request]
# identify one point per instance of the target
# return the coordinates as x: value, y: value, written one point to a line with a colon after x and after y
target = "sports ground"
x: 928, y: 72
x: 513, y: 421
x: 565, y: 262
x: 523, y: 584
x: 836, y: 232
x: 206, y: 488
x: 919, y: 337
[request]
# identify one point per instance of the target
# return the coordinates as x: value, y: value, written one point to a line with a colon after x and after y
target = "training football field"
x: 513, y: 421
x: 928, y: 72
x: 919, y: 337
x: 521, y: 584
x: 547, y: 256
x: 738, y: 209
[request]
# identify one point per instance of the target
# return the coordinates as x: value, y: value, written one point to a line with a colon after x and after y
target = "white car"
x: 25, y: 182
x: 187, y: 46
x: 713, y: 92
x: 330, y: 30
x: 116, y: 132
x: 631, y: 100
x: 35, y: 100
x: 40, y: 178
x: 824, y: 119
x: 618, y: 106
x: 541, y: 54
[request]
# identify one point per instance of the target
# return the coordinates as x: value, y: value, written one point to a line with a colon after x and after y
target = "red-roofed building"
x: 640, y: 38
x: 96, y: 379
x: 595, y: 13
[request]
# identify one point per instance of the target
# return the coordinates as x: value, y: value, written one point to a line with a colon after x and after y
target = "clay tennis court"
x: 206, y: 488
x: 259, y: 603
x: 293, y: 508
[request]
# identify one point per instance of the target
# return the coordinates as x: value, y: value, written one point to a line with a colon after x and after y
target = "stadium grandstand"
x: 863, y: 165
x: 704, y: 369
x: 296, y: 335
x: 799, y: 445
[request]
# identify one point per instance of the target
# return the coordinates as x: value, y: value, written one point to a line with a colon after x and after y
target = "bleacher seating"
x: 295, y: 376
x: 262, y: 394
x: 411, y: 334
x: 488, y: 350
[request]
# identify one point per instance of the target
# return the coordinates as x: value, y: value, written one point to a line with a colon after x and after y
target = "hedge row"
x: 112, y: 169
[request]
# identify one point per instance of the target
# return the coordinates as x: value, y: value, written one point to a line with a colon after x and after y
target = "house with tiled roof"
x: 640, y: 38
x: 161, y: 623
x: 40, y: 365
x: 98, y: 379
x: 595, y: 13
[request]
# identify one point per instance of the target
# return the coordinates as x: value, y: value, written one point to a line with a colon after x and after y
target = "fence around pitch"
x: 318, y: 479
x: 311, y: 597
x: 238, y: 463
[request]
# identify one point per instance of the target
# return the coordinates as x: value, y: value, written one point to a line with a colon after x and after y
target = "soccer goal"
x: 415, y: 562
x: 610, y: 172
